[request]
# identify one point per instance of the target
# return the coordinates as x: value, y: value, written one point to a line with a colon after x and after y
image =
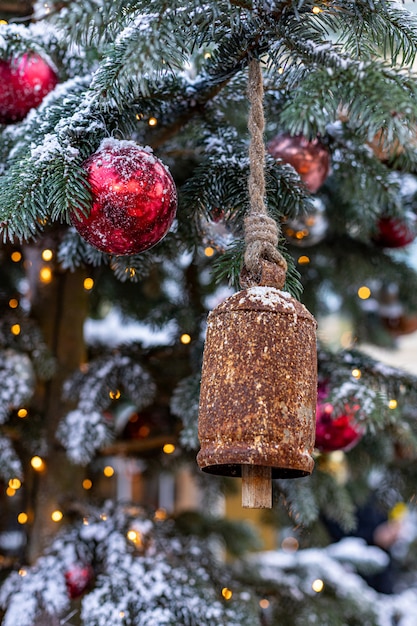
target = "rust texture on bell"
x: 259, y: 385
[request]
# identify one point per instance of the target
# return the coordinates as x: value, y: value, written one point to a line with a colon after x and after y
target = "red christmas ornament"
x: 24, y: 83
x: 309, y: 158
x: 395, y: 233
x: 78, y: 579
x: 134, y: 199
x: 340, y: 432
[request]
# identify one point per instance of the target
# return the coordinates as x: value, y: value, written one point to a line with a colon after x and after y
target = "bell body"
x: 259, y: 385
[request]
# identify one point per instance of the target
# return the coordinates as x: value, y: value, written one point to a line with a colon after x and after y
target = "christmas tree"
x: 155, y: 159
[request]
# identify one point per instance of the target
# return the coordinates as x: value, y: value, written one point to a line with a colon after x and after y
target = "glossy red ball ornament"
x: 336, y: 432
x: 310, y: 159
x: 78, y: 579
x: 134, y: 199
x: 393, y: 232
x: 24, y: 83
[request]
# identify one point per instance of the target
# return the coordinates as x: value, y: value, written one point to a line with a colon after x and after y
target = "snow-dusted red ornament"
x: 134, y: 199
x: 24, y: 82
x: 78, y: 579
x: 393, y: 232
x: 336, y: 432
x: 310, y: 159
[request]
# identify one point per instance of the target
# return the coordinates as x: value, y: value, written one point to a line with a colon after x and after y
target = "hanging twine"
x: 261, y: 231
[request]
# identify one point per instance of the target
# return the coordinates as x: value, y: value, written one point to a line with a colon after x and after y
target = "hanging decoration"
x: 24, y: 84
x: 310, y: 159
x: 259, y: 376
x: 336, y: 431
x: 307, y: 230
x: 78, y: 579
x: 134, y: 199
x: 395, y: 232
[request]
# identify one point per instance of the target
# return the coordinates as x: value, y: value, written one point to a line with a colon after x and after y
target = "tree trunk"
x: 60, y: 308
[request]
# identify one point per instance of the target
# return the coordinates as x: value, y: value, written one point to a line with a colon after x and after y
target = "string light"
x: 115, y: 395
x: 3, y: 22
x: 264, y: 603
x: 15, y: 329
x: 364, y: 292
x: 152, y: 121
x: 22, y: 518
x: 45, y: 275
x: 207, y: 55
x: 356, y: 373
x: 135, y: 537
x: 108, y: 471
x: 15, y: 483
x: 57, y: 515
x: 13, y: 303
x: 169, y: 448
x: 10, y: 492
x: 22, y: 572
x: 88, y: 283
x: 316, y: 10
x: 227, y: 593
x: 185, y: 338
x: 131, y: 271
x: 392, y: 404
x: 47, y: 254
x: 290, y: 544
x: 209, y: 251
x: 22, y: 413
x: 87, y: 484
x: 37, y: 463
x: 303, y: 260
x: 16, y: 256
x: 139, y: 116
x: 317, y: 585
x: 160, y: 515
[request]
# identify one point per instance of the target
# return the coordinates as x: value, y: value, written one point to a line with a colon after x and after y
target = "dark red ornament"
x: 78, y: 579
x: 24, y: 83
x: 393, y: 232
x: 134, y: 199
x: 336, y: 432
x: 310, y: 159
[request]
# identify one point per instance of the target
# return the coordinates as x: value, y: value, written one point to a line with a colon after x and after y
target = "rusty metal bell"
x: 258, y: 388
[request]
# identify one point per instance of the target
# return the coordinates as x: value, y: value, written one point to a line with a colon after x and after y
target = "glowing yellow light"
x: 131, y: 271
x: 22, y: 518
x: 56, y: 516
x: 45, y: 275
x: 227, y: 593
x: 356, y: 373
x: 88, y: 283
x: 398, y: 511
x: 392, y: 404
x: 139, y: 116
x: 15, y: 483
x: 264, y: 603
x: 280, y: 70
x: 209, y: 251
x: 115, y: 395
x: 108, y: 471
x: 13, y: 303
x: 47, y: 254
x: 10, y: 492
x: 160, y: 515
x: 303, y: 260
x: 185, y: 338
x: 3, y: 22
x: 37, y: 463
x: 16, y: 256
x: 207, y: 55
x: 364, y: 292
x: 22, y: 413
x: 85, y: 521
x: 168, y: 448
x: 121, y: 614
x: 22, y: 572
x: 103, y: 516
x: 316, y: 10
x: 152, y: 121
x: 317, y: 585
x: 15, y: 329
x: 87, y: 483
x: 135, y: 537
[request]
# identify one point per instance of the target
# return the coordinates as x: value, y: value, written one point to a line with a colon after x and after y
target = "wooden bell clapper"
x: 259, y: 375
